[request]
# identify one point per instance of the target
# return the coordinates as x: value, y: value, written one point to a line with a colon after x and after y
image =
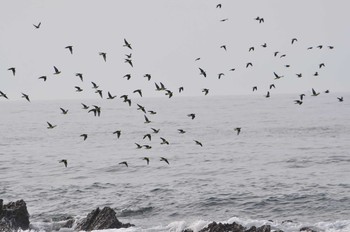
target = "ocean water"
x: 289, y: 162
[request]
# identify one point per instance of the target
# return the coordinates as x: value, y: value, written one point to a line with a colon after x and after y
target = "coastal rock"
x: 307, y: 229
x: 233, y: 227
x: 101, y: 219
x: 13, y: 216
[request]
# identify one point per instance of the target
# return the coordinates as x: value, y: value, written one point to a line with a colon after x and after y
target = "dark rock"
x: 219, y: 227
x: 187, y: 230
x: 14, y: 215
x: 68, y: 224
x: 101, y: 219
x: 307, y: 229
x: 265, y: 228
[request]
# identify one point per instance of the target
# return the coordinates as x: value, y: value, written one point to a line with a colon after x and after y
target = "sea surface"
x: 290, y: 162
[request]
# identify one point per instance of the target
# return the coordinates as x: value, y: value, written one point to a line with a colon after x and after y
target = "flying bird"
x: 202, y: 72
x: 238, y: 129
x: 198, y: 143
x: 267, y: 94
x: 85, y: 107
x: 330, y: 47
x: 299, y: 102
x: 147, y: 147
x: 205, y: 91
x: 80, y: 75
x: 277, y: 76
x: 181, y: 131
x: 164, y: 141
x: 99, y: 91
x: 264, y: 45
x: 327, y: 91
x: 218, y: 5
x: 2, y: 94
x: 64, y: 161
x: 25, y: 96
x: 146, y: 119
x: 94, y: 85
x: 128, y: 56
x: 163, y: 159
x: 340, y: 99
x: 43, y: 77
x: 155, y: 131
x: 299, y: 75
x: 147, y: 136
x: 138, y: 91
x: 181, y: 89
x: 220, y: 75
x: 284, y: 55
x: 255, y: 88
x: 192, y: 116
x: 294, y: 40
x: 127, y: 44
x: 147, y: 160
x: 321, y: 65
x: 118, y: 133
x: 56, y: 71
x: 316, y: 74
x: 70, y: 48
x: 127, y: 76
x: 64, y: 111
x: 251, y: 49
x: 223, y: 20
x: 169, y: 93
x: 152, y: 112
x: 249, y: 64
x: 224, y: 47
x: 272, y: 86
x: 84, y: 136
x: 275, y: 54
x: 138, y: 146
x: 142, y: 108
x: 13, y: 69
x: 129, y: 62
x: 110, y: 97
x: 78, y: 89
x: 320, y: 46
x: 50, y: 126
x: 125, y: 163
x: 148, y: 76
x: 301, y: 96
x: 103, y: 54
x: 37, y: 26
x: 314, y: 93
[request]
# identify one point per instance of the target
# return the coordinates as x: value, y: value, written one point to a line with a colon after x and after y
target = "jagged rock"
x: 101, y: 219
x: 307, y: 229
x: 233, y: 227
x: 14, y: 216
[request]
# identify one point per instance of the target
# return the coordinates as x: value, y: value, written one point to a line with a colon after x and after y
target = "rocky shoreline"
x: 14, y: 216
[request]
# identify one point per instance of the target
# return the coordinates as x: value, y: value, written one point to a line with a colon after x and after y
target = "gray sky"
x: 167, y: 37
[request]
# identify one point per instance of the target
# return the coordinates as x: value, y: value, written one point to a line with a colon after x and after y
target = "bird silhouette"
x: 205, y: 91
x: 13, y: 69
x: 139, y: 91
x: 94, y: 85
x: 316, y: 74
x: 85, y: 107
x: 64, y: 111
x: 26, y: 97
x: 127, y: 76
x: 238, y: 129
x: 50, y: 126
x: 152, y: 112
x: 301, y: 96
x: 164, y: 141
x: 99, y: 91
x: 181, y: 131
x: 84, y: 136
x: 78, y: 89
x: 223, y: 47
x: 163, y: 159
x: 321, y: 65
x: 37, y: 26
x: 142, y: 108
x: 220, y: 75
x: 327, y: 91
x: 64, y: 161
x: 155, y: 131
x: 146, y: 119
x: 267, y: 94
x: 299, y: 102
x: 198, y: 143
x: 147, y: 136
x: 275, y: 54
x: 264, y: 45
x: 249, y: 64
x: 224, y: 20
x: 314, y: 93
x: 218, y: 5
x: 284, y: 55
x: 138, y: 146
x: 294, y: 40
x: 104, y: 55
x: 202, y: 72
x: 272, y: 86
x: 70, y: 48
x: 56, y: 70
x: 118, y: 133
x: 169, y: 93
x: 148, y: 76
x: 320, y: 46
x: 299, y: 75
x: 147, y: 160
x: 80, y: 75
x: 147, y: 147
x: 255, y: 88
x: 277, y: 76
x: 251, y: 49
x: 192, y: 116
x: 181, y: 89
x: 127, y: 44
x: 129, y: 61
x: 43, y: 77
x: 110, y: 96
x: 340, y: 99
x: 2, y: 94
x: 125, y: 163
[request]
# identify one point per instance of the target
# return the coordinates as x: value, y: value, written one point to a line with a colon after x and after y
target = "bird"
x: 272, y: 86
x: 26, y: 97
x: 64, y: 161
x: 223, y: 20
x: 94, y: 85
x: 316, y: 74
x: 232, y: 69
x: 64, y: 111
x: 2, y: 94
x: 220, y: 75
x: 255, y: 88
x: 129, y: 62
x: 181, y: 89
x: 146, y: 119
x: 96, y: 110
x: 251, y: 49
x: 309, y: 48
x: 127, y: 76
x: 223, y: 47
x: 287, y: 65
x: 84, y: 136
x: 314, y: 93
x: 148, y: 76
x: 80, y: 75
x: 205, y: 91
x: 43, y: 77
x: 128, y: 56
x: 85, y: 107
x: 78, y: 89
x: 163, y: 159
x: 147, y: 147
x: 56, y: 71
x: 264, y: 45
x: 275, y: 54
x: 50, y: 126
x: 142, y: 108
x: 139, y: 91
x: 197, y: 59
x: 99, y: 91
x: 125, y: 163
x: 277, y: 76
x: 147, y: 160
x: 267, y: 94
x: 37, y: 26
x: 218, y: 5
x: 152, y: 112
x: 301, y: 96
x: 192, y: 116
x: 340, y: 99
x: 138, y: 146
x: 198, y: 143
x: 298, y: 102
x: 128, y: 101
x: 104, y: 55
x: 238, y: 129
x: 147, y: 136
x: 181, y: 131
x: 330, y: 47
x: 327, y: 91
x: 155, y: 131
x: 164, y: 141
x: 13, y: 69
x: 127, y: 44
x: 294, y: 40
x: 202, y: 72
x: 118, y: 133
x: 110, y: 97
x: 284, y: 55
x: 169, y: 93
x: 249, y: 64
x: 299, y: 75
x: 321, y: 65
x: 320, y: 46
x: 70, y: 48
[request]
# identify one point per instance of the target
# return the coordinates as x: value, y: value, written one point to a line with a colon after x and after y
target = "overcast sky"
x: 166, y: 37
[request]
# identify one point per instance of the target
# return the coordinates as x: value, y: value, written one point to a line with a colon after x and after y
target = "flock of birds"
x: 96, y: 110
